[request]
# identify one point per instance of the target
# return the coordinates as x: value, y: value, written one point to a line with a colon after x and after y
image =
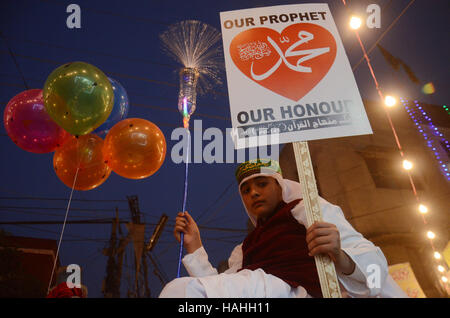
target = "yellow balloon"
x: 78, y: 97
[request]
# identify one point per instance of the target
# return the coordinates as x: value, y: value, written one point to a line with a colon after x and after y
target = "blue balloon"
x: 119, y: 111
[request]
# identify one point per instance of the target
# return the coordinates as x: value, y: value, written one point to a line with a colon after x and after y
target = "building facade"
x: 364, y: 176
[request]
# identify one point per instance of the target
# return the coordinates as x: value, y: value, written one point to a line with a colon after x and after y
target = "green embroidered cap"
x: 250, y: 167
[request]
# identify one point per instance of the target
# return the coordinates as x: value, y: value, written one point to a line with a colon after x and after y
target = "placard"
x: 288, y: 76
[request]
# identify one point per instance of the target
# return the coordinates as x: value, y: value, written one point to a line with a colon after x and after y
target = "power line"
x: 16, y: 209
x: 90, y: 259
x: 15, y: 61
x: 158, y: 82
x: 157, y: 266
x: 215, y: 201
x: 71, y: 49
x: 218, y: 210
x: 110, y: 220
x: 174, y: 110
x: 132, y: 18
x: 382, y: 35
x: 53, y: 232
x: 53, y: 62
x: 61, y: 199
x: 162, y: 108
x: 170, y: 109
x: 41, y: 214
x: 338, y: 8
x: 11, y: 84
x: 133, y: 93
x: 54, y: 208
x: 58, y: 63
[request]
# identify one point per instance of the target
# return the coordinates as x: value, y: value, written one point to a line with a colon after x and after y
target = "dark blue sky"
x: 121, y: 38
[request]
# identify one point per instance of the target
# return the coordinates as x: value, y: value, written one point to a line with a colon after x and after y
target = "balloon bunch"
x: 78, y: 106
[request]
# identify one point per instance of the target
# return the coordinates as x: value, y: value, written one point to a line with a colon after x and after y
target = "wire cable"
x: 382, y: 35
x: 15, y: 61
x: 62, y: 232
x: 61, y: 199
x: 215, y: 201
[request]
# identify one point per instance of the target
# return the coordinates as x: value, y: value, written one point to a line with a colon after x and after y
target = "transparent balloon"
x: 135, y: 148
x: 120, y: 108
x: 78, y: 97
x: 85, y: 155
x: 29, y: 126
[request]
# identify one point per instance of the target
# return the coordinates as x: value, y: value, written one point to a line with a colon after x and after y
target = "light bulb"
x: 441, y: 268
x: 431, y: 235
x: 355, y: 23
x: 423, y: 209
x: 407, y: 165
x: 437, y: 255
x: 390, y: 101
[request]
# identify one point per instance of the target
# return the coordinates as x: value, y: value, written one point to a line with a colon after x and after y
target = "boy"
x: 276, y: 259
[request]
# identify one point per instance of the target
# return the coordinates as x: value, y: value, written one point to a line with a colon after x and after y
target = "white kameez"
x: 204, y: 280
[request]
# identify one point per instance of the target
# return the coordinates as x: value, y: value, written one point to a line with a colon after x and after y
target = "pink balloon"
x: 29, y: 126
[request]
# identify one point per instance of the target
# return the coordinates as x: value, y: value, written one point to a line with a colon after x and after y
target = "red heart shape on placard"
x: 291, y: 63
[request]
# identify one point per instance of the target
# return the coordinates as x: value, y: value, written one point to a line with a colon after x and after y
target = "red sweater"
x: 278, y: 246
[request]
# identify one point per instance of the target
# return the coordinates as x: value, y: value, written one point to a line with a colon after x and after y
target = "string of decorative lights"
x: 431, y: 134
x: 390, y: 101
x: 446, y: 109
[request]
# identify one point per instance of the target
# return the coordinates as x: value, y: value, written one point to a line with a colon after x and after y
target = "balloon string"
x: 184, y: 198
x: 62, y: 232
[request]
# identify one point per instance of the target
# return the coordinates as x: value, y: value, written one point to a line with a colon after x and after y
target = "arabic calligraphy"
x: 253, y: 50
x: 291, y: 51
x: 289, y: 63
x: 294, y: 125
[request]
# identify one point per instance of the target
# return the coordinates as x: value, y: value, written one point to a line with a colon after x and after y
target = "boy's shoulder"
x: 322, y: 202
x: 329, y: 211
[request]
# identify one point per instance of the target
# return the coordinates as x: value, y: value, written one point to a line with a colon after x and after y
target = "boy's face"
x: 261, y: 196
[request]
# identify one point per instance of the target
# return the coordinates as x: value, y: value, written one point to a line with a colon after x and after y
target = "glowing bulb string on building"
x: 446, y: 109
x: 431, y: 134
x: 430, y: 234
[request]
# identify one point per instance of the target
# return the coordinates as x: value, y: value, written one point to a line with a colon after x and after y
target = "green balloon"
x: 78, y: 97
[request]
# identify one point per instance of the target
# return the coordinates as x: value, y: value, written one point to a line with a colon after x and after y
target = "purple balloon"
x: 29, y: 126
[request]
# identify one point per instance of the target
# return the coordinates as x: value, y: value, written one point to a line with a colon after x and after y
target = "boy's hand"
x: 186, y: 224
x: 323, y: 238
